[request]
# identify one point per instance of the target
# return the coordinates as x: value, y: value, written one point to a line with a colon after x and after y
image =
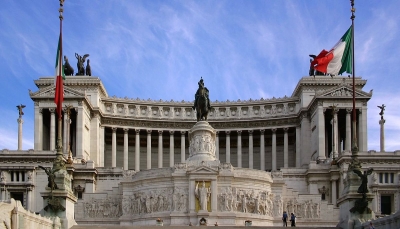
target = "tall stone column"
x: 183, y: 146
x: 228, y: 147
x: 114, y: 147
x: 126, y: 130
x: 137, y: 150
x: 79, y: 131
x: 262, y: 149
x: 102, y: 152
x: 20, y: 121
x: 285, y: 148
x: 273, y: 149
x: 382, y: 136
x: 29, y: 199
x: 239, y: 149
x: 65, y: 134
x: 321, y: 132
x: 160, y: 149
x: 217, y: 145
x: 52, y: 129
x: 348, y: 130
x: 298, y: 146
x: 335, y: 141
x: 148, y: 149
x: 251, y: 149
x: 171, y: 148
x: 38, y: 128
x: 362, y: 133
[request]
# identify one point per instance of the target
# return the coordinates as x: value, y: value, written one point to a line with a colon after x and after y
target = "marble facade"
x: 134, y: 159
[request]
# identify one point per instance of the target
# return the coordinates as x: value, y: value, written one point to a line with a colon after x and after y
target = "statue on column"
x: 20, y: 107
x: 202, y: 101
x: 203, y: 194
x: 80, y: 64
x: 382, y: 110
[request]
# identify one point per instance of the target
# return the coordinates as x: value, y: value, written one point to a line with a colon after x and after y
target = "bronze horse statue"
x: 201, y: 103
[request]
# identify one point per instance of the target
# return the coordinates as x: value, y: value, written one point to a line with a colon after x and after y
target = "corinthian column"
x: 20, y: 121
x: 228, y: 147
x: 217, y: 145
x: 171, y: 148
x: 114, y: 148
x: 183, y: 146
x: 137, y: 150
x: 239, y: 149
x: 262, y: 149
x: 126, y: 149
x: 348, y: 130
x: 250, y: 149
x: 285, y: 148
x: 148, y: 149
x: 160, y: 149
x: 52, y: 129
x: 273, y: 149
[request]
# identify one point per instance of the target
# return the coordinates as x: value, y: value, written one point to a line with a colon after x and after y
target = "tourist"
x: 284, y: 219
x: 371, y: 226
x: 293, y: 219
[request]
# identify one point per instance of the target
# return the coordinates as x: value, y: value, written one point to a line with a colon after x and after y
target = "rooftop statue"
x: 382, y: 110
x: 68, y: 70
x: 80, y: 64
x: 88, y: 69
x: 202, y: 101
x: 20, y: 107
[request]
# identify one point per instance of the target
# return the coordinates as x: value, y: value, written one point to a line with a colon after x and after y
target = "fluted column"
x: 101, y: 146
x: 298, y: 146
x: 148, y: 149
x: 348, y: 130
x: 239, y: 149
x: 20, y: 121
x: 228, y: 147
x: 335, y: 141
x: 52, y: 129
x: 285, y: 148
x: 126, y: 149
x: 160, y: 149
x: 114, y: 147
x: 171, y: 148
x: 217, y: 144
x: 250, y: 149
x: 273, y: 149
x: 321, y: 132
x: 137, y: 150
x: 183, y: 146
x: 262, y: 149
x: 65, y: 134
x: 214, y: 193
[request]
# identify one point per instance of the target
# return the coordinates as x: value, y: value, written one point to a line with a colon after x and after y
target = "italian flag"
x: 338, y: 59
x: 60, y: 76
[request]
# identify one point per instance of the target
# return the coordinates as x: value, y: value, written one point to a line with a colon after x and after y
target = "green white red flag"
x: 60, y: 76
x: 338, y: 59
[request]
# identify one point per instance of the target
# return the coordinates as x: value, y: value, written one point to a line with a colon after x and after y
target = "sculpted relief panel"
x: 102, y: 208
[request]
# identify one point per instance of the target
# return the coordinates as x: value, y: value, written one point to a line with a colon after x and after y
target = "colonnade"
x: 227, y: 134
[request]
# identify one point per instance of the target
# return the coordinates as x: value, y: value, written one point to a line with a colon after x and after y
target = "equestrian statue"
x: 202, y: 101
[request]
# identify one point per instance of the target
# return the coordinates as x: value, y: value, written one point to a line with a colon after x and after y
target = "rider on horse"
x: 198, y: 93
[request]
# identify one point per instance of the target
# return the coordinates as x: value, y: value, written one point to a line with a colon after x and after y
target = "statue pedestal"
x: 349, y: 216
x: 60, y: 202
x: 202, y: 142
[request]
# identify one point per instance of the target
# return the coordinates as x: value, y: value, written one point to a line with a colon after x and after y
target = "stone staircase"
x: 180, y: 227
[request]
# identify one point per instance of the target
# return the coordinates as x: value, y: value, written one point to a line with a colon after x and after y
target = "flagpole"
x: 354, y: 150
x: 59, y: 162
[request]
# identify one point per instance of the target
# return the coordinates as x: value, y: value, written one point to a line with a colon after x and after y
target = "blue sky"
x: 159, y: 49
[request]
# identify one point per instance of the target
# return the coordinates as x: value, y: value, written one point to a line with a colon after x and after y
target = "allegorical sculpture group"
x: 69, y: 70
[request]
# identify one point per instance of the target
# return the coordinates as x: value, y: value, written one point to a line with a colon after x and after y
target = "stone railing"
x: 390, y: 221
x: 14, y: 216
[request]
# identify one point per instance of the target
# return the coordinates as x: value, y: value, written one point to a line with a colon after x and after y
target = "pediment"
x: 344, y: 91
x: 204, y: 170
x: 48, y: 92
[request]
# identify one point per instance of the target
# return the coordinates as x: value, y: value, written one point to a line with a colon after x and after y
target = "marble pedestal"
x: 60, y: 202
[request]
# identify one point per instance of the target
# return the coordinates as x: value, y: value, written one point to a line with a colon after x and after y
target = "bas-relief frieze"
x: 306, y: 209
x: 102, y: 208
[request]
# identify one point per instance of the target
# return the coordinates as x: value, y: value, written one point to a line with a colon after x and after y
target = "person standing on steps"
x: 284, y: 219
x: 292, y: 219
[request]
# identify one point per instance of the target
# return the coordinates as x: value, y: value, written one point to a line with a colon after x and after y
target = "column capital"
x: 228, y: 132
x: 137, y: 131
x: 239, y: 132
x: 160, y: 132
x: 52, y: 110
x: 126, y: 130
x: 251, y: 132
x: 273, y: 130
x: 29, y: 188
x: 149, y: 131
x: 20, y: 120
x: 262, y: 131
x: 171, y: 132
x: 349, y: 110
x: 41, y: 110
x: 286, y: 129
x: 216, y: 133
x: 183, y: 132
x: 114, y: 129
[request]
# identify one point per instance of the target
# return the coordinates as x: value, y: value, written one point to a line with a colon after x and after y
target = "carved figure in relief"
x: 203, y: 194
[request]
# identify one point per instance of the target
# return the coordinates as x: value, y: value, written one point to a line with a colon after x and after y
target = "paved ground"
x: 173, y: 227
